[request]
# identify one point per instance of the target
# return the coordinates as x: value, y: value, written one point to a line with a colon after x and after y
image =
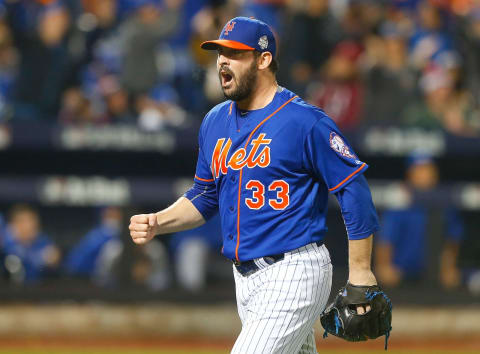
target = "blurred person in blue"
x: 40, y: 31
x: 97, y: 254
x: 431, y: 38
x: 30, y: 255
x: 193, y: 251
x: 414, y: 234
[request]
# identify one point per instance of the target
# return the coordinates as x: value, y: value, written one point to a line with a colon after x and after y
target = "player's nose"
x: 222, y: 60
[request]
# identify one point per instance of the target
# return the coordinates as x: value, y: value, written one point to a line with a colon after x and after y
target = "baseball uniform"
x: 268, y: 172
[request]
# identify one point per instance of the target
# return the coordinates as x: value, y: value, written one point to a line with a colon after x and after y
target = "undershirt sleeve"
x: 358, y: 211
x: 203, y: 193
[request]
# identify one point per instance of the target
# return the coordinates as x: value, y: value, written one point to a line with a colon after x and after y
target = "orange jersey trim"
x: 230, y: 111
x: 348, y: 177
x: 240, y: 178
x: 204, y: 180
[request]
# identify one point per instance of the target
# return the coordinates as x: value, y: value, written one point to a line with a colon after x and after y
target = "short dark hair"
x: 20, y: 209
x: 273, y: 65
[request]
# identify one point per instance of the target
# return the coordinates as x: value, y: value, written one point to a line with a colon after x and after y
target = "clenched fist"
x: 143, y: 228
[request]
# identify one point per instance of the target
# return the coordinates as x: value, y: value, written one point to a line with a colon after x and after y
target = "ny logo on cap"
x: 229, y: 27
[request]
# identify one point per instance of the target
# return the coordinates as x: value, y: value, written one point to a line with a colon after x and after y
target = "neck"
x: 261, y: 96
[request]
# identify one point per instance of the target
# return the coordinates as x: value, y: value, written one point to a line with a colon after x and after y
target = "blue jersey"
x: 83, y: 258
x: 32, y: 255
x: 270, y: 176
x: 406, y: 230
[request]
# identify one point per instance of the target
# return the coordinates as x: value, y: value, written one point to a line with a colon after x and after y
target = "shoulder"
x: 305, y: 115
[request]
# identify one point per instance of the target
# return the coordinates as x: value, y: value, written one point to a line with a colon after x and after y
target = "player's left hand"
x: 143, y: 228
x: 358, y: 313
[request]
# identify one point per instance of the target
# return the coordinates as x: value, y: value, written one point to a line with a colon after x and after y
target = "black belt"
x: 249, y: 267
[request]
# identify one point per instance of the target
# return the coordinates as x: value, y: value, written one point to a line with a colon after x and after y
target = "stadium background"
x: 100, y: 103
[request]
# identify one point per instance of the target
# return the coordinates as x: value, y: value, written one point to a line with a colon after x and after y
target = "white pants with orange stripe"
x: 279, y: 304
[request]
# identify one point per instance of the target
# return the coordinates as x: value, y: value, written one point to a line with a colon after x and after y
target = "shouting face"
x: 237, y: 71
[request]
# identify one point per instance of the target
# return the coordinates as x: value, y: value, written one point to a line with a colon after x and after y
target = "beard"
x: 244, y: 85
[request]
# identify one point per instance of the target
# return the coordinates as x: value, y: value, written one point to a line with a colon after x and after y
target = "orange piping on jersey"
x: 230, y: 111
x: 348, y: 177
x: 204, y: 180
x: 240, y: 177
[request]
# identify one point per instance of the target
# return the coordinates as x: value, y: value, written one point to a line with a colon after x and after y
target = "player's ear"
x: 264, y: 60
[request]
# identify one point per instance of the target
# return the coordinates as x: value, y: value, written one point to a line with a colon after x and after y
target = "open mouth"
x: 225, y: 78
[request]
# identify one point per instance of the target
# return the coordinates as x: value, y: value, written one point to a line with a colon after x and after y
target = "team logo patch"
x: 263, y: 42
x: 337, y: 144
x: 229, y: 27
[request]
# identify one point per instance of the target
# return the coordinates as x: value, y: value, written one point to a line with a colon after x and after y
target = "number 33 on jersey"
x: 268, y: 170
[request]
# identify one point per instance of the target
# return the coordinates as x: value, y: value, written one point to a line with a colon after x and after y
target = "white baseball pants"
x: 279, y: 304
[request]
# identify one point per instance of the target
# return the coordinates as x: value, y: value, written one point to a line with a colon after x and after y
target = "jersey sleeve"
x: 357, y: 207
x: 329, y: 157
x: 203, y: 193
x: 203, y: 173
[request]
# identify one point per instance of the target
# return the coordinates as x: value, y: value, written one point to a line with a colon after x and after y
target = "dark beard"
x: 245, y: 85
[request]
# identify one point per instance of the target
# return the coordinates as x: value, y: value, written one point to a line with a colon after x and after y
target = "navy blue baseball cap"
x: 244, y: 33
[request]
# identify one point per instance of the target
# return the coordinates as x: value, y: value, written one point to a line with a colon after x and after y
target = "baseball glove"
x: 340, y: 318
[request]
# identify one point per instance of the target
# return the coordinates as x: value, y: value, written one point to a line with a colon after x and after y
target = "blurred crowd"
x: 413, y: 63
x: 29, y: 256
x: 419, y: 244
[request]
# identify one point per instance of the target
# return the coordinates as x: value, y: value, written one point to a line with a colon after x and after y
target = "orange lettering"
x: 239, y: 158
x: 263, y: 159
x: 236, y: 162
x: 256, y: 145
x: 219, y: 157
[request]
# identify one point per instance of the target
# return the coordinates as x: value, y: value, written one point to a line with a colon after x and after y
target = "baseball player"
x: 267, y: 162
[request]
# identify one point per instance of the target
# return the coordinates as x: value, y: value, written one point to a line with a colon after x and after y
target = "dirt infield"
x: 192, y: 345
x: 174, y: 329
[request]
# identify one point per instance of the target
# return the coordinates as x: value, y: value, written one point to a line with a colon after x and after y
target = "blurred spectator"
x: 141, y: 34
x: 40, y: 29
x: 29, y: 254
x: 151, y: 266
x: 406, y: 244
x: 443, y: 106
x: 310, y: 34
x: 390, y: 82
x: 206, y: 24
x: 431, y: 38
x: 159, y: 109
x: 75, y: 108
x: 193, y: 251
x: 362, y: 17
x: 8, y: 68
x: 96, y: 255
x: 341, y: 92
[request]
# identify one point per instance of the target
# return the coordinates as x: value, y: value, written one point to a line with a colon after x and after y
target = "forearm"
x: 359, y: 261
x: 181, y: 215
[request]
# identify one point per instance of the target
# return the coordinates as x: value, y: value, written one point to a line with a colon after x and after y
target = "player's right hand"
x: 143, y: 228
